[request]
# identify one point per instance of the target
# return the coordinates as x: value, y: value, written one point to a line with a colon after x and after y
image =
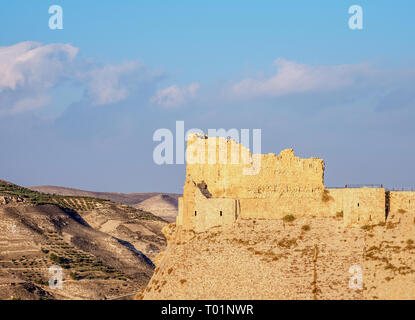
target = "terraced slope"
x: 163, y: 205
x: 104, y: 249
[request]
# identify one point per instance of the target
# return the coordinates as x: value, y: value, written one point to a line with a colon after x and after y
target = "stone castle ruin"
x: 220, y: 189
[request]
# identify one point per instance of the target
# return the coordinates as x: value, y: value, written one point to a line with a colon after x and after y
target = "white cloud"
x: 174, y: 96
x: 28, y: 70
x: 31, y: 103
x: 106, y: 84
x: 294, y: 78
x: 35, y: 65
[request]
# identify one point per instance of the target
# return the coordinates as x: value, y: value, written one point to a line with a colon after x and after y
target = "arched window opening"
x: 220, y: 213
x: 195, y: 213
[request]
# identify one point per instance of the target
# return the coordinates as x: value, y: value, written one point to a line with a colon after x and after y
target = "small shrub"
x: 73, y: 276
x: 366, y: 227
x: 390, y: 225
x: 63, y: 262
x: 54, y: 257
x: 289, y: 218
x: 339, y: 214
x: 287, y: 243
x: 182, y: 281
x: 410, y: 242
x: 41, y: 282
x: 305, y: 227
x: 401, y: 211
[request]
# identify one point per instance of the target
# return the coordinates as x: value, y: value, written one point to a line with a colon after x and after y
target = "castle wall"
x: 334, y: 202
x: 272, y: 187
x: 179, y: 218
x: 214, y: 212
x: 217, y: 180
x: 363, y: 206
x: 402, y: 200
x: 287, y: 203
x: 199, y: 213
x: 275, y: 174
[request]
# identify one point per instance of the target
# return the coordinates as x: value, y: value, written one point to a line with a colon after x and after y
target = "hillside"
x: 161, y: 204
x: 308, y: 258
x: 104, y: 248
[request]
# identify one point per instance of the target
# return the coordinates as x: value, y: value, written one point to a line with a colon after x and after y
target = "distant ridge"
x: 161, y: 204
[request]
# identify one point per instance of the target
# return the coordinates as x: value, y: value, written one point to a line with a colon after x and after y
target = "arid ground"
x: 105, y: 249
x: 308, y: 258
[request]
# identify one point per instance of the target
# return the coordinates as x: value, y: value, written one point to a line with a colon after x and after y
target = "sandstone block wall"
x: 221, y: 169
x: 287, y: 203
x: 402, y: 201
x: 217, y: 181
x: 179, y: 218
x: 215, y: 212
x: 364, y: 206
x: 282, y: 173
x: 208, y: 212
x: 334, y: 202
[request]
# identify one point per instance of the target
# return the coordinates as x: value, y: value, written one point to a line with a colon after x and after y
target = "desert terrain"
x: 292, y: 258
x: 105, y: 249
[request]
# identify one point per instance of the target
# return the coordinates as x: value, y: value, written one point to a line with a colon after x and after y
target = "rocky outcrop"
x: 10, y: 199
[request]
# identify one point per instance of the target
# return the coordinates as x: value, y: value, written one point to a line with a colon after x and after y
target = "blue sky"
x: 82, y: 108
